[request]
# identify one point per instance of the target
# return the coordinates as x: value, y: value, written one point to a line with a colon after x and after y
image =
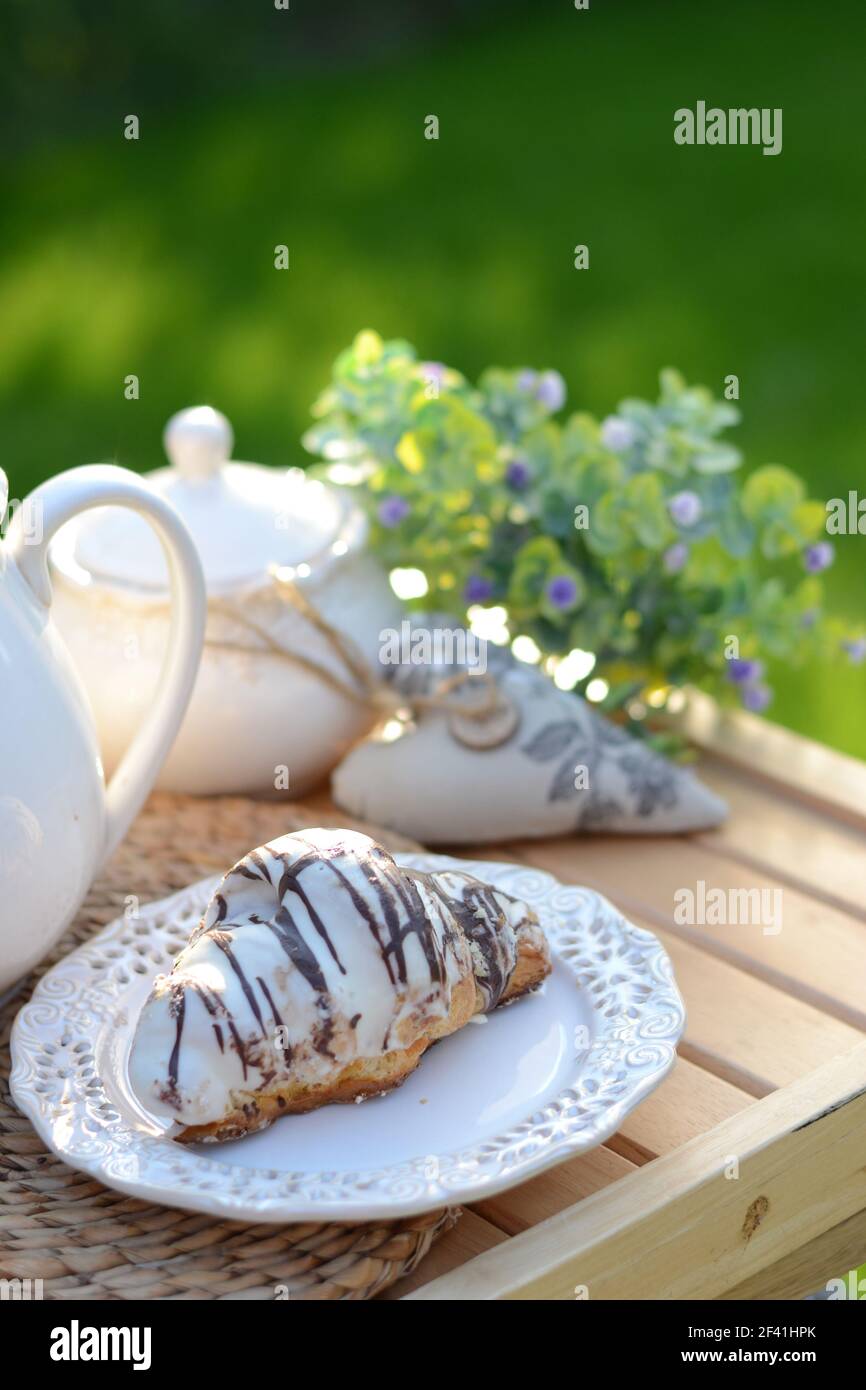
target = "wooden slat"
x: 553, y: 1191
x: 741, y: 1029
x: 807, y: 770
x: 470, y: 1237
x: 831, y: 1255
x: 689, y: 1102
x: 747, y: 1032
x: 819, y: 954
x: 767, y: 829
x: 681, y: 1227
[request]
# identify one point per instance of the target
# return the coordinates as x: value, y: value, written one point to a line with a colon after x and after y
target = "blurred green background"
x: 305, y: 127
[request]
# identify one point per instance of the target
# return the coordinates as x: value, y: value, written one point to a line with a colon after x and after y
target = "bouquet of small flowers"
x: 627, y: 554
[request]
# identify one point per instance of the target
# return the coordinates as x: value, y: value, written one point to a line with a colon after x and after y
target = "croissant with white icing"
x: 320, y: 972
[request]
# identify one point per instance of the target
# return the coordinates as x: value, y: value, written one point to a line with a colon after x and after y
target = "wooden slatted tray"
x: 770, y: 1083
x: 742, y: 1176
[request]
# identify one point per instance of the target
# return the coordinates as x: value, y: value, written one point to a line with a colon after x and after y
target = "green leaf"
x: 592, y: 477
x: 535, y: 562
x: 721, y: 458
x: 735, y: 532
x: 808, y: 595
x: 709, y: 564
x: 542, y: 447
x: 620, y: 694
x: 647, y: 511
x: 809, y: 520
x: 557, y: 515
x: 772, y: 494
x: 778, y: 541
x: 672, y: 384
x: 608, y: 531
x: 579, y: 435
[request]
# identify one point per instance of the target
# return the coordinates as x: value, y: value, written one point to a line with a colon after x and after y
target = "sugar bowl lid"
x: 245, y: 518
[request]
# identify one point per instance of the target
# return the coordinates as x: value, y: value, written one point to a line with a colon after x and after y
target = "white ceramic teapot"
x: 58, y: 820
x: 261, y: 720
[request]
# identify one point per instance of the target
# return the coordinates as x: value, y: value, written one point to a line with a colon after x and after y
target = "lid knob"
x: 198, y: 442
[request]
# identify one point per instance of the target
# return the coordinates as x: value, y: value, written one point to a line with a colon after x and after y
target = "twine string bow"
x: 359, y: 682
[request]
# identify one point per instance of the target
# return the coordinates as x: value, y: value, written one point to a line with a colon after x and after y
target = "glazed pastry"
x: 320, y: 972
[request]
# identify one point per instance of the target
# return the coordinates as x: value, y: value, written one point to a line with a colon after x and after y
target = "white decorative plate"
x: 542, y: 1080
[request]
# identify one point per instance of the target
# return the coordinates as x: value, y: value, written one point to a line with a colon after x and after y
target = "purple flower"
x: 809, y: 618
x: 675, y: 558
x: 756, y: 698
x: 433, y: 371
x: 562, y: 591
x: 518, y: 474
x: 526, y: 380
x: 818, y: 557
x: 742, y: 672
x: 685, y: 508
x: 477, y: 589
x: 393, y: 510
x: 616, y: 434
x: 550, y: 391
x: 856, y: 649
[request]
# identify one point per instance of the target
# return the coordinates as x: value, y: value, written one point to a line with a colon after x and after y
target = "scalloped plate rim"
x: 282, y: 1207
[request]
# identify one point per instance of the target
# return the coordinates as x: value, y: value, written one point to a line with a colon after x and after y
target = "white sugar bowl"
x: 289, y: 578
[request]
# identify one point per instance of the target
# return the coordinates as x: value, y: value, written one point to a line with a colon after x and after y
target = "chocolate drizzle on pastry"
x: 316, y: 950
x: 177, y: 1009
x: 479, y: 911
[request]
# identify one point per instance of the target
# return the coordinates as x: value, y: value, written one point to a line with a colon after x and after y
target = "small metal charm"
x: 490, y: 731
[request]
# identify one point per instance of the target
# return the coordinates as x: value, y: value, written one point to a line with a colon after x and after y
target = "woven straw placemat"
x: 85, y: 1241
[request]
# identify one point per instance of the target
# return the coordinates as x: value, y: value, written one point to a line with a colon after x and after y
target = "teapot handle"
x: 105, y: 485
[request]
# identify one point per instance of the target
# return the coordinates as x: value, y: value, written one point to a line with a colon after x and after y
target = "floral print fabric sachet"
x: 563, y: 768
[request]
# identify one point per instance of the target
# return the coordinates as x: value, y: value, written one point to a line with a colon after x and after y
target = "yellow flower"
x: 368, y: 347
x: 409, y: 454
